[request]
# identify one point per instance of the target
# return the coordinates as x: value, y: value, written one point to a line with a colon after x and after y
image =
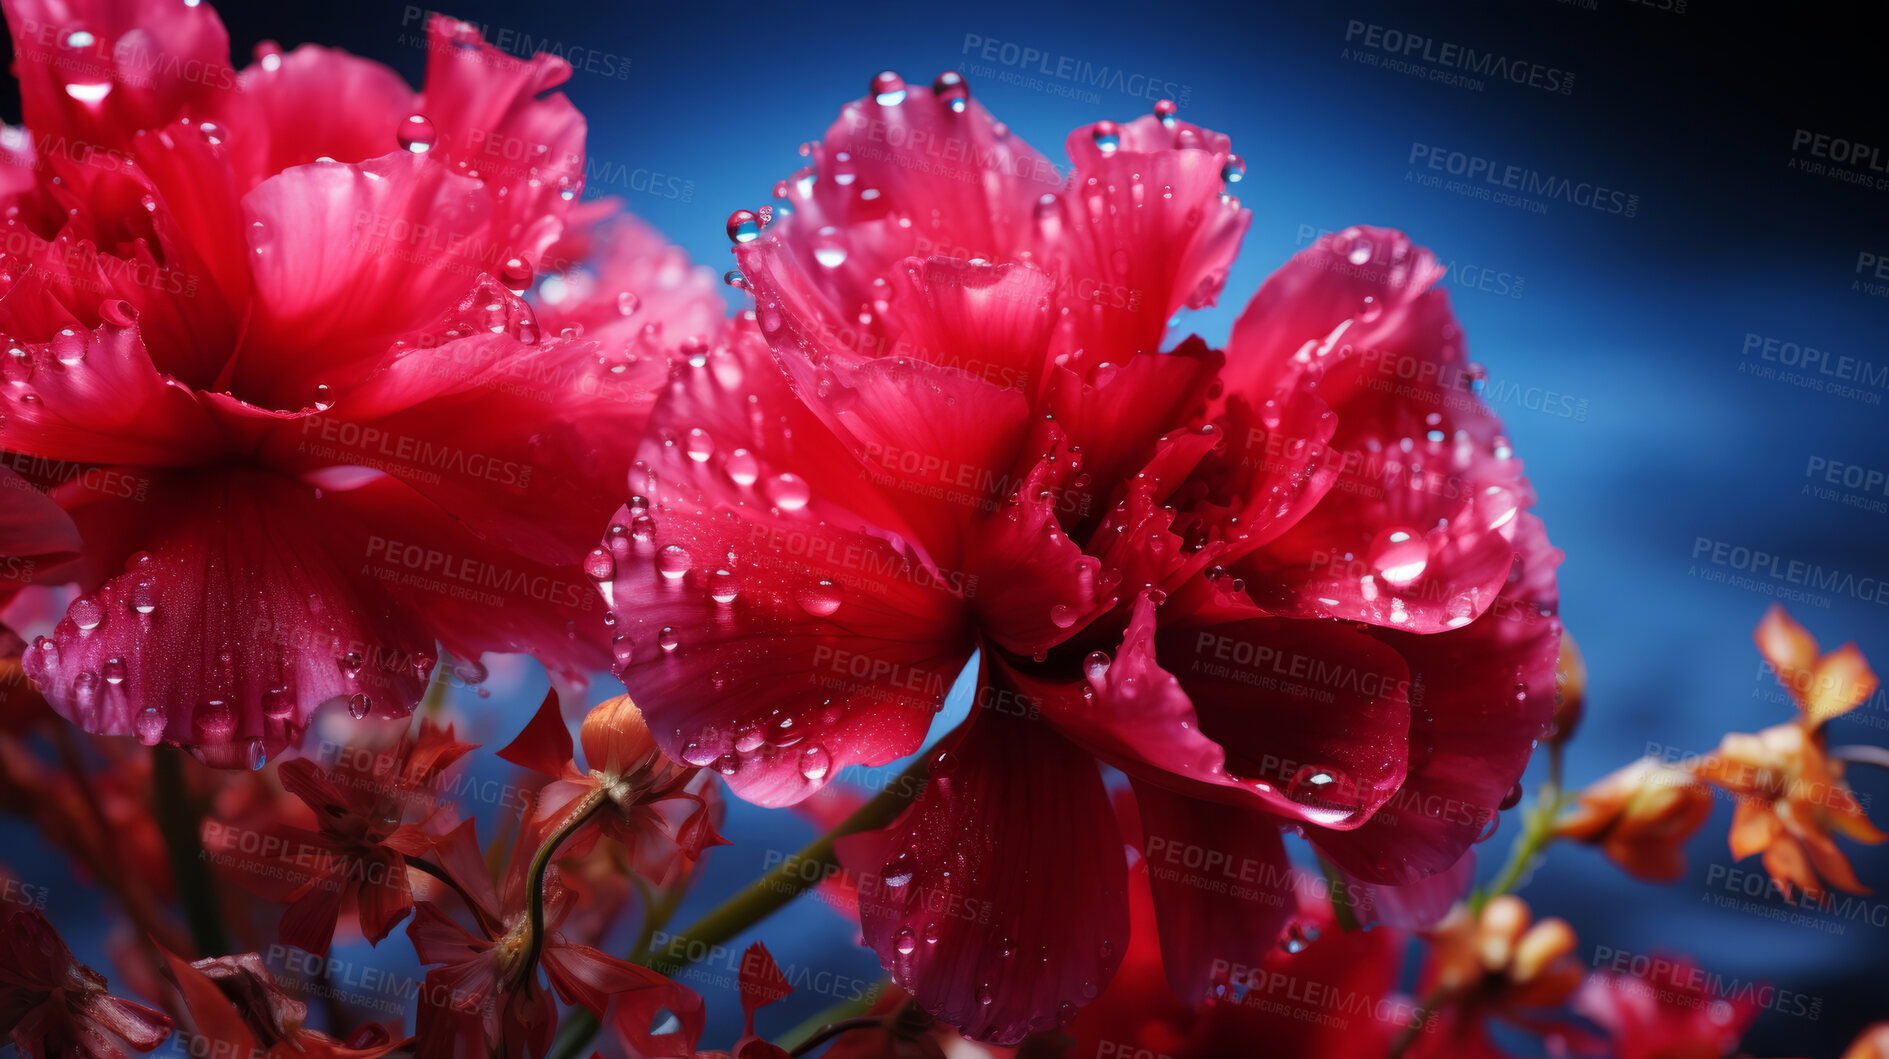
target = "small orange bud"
x: 1570, y: 690
x: 616, y: 738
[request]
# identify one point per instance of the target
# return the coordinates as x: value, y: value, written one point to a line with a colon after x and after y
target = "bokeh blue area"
x: 1628, y: 354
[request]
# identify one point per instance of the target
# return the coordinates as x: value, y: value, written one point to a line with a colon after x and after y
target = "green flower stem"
x: 180, y: 821
x: 760, y: 899
x: 586, y: 808
x: 1538, y: 831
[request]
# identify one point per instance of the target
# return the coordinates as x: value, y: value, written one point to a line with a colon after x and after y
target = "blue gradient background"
x: 1638, y: 322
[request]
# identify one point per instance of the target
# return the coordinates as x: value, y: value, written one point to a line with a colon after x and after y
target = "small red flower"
x: 54, y: 1007
x: 1666, y: 1007
x: 486, y: 992
x: 235, y: 1008
x: 373, y: 809
x: 663, y: 815
x: 641, y: 1019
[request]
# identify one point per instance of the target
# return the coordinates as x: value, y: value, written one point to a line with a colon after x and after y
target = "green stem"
x: 1538, y: 831
x: 809, y: 1033
x: 1339, y: 891
x: 180, y: 821
x: 831, y: 1030
x: 760, y: 898
x: 540, y: 863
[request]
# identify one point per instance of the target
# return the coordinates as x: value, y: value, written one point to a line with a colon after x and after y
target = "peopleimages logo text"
x: 1523, y: 180
x: 1450, y: 56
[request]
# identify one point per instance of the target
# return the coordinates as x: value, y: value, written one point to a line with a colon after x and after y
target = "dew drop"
x: 790, y: 492
x: 743, y: 226
x: 673, y: 561
x: 819, y: 598
x: 1234, y: 170
x: 951, y: 89
x: 600, y: 565
x: 1107, y: 136
x: 416, y: 134
x: 85, y: 613
x: 905, y: 941
x: 888, y: 89
x: 358, y: 705
x: 814, y: 762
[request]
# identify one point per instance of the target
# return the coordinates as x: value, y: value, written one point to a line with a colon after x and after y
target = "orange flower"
x: 1502, y: 960
x: 1872, y: 1043
x: 1641, y: 816
x: 1791, y: 794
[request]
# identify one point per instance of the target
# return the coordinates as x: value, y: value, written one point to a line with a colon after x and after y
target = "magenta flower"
x: 264, y: 344
x: 1285, y: 586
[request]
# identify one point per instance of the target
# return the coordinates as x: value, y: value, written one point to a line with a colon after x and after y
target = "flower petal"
x: 96, y: 398
x: 1222, y: 888
x: 1487, y: 694
x: 240, y: 609
x: 741, y: 569
x: 971, y: 904
x: 97, y: 71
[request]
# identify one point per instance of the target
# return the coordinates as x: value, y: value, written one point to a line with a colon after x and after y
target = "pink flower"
x: 263, y: 345
x: 53, y: 1005
x: 1290, y: 585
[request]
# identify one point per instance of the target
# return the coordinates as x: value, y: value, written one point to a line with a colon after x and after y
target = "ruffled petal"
x: 240, y: 609
x: 545, y: 744
x: 741, y: 572
x: 1144, y: 230
x: 1479, y: 699
x: 347, y: 259
x: 974, y: 913
x: 284, y: 114
x: 1417, y: 530
x: 95, y: 397
x: 34, y: 529
x: 1307, y: 721
x: 98, y: 71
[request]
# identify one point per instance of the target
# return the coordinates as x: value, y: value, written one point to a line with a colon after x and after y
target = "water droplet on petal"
x: 1234, y: 170
x: 1166, y: 110
x: 359, y: 704
x: 888, y: 89
x: 905, y: 941
x: 819, y: 598
x: 743, y: 226
x: 1399, y: 555
x: 600, y: 565
x: 951, y: 90
x: 416, y: 134
x: 790, y: 492
x: 673, y: 561
x: 898, y: 871
x: 150, y: 725
x: 85, y: 613
x: 1107, y: 136
x: 814, y: 762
